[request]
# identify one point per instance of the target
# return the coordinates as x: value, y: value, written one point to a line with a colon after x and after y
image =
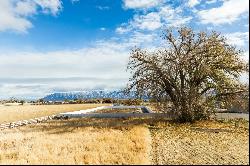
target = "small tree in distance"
x: 193, y: 71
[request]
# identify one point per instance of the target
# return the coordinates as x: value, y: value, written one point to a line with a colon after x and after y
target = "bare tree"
x: 193, y: 71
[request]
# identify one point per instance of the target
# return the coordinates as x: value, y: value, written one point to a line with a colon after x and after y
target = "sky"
x: 49, y: 46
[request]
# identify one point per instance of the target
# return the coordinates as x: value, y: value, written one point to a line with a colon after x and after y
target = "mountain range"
x: 91, y: 94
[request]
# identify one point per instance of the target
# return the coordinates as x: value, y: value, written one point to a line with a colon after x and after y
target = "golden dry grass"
x: 16, y: 113
x: 88, y: 141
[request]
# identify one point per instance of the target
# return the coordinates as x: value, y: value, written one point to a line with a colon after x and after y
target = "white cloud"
x: 245, y: 56
x: 136, y: 4
x: 15, y: 15
x: 103, y: 65
x: 211, y: 1
x: 24, y: 8
x: 165, y: 15
x: 138, y: 38
x: 8, y: 19
x: 173, y: 17
x: 102, y: 29
x: 238, y: 38
x: 150, y: 21
x: 122, y: 29
x: 245, y: 76
x: 100, y: 60
x: 50, y: 6
x: 230, y: 11
x: 100, y: 66
x: 192, y: 3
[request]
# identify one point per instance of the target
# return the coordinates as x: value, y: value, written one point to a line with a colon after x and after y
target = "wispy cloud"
x: 141, y: 4
x: 103, y: 7
x: 192, y: 3
x: 164, y: 15
x: 150, y: 21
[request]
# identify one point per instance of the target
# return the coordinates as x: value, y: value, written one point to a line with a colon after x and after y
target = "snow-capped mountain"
x: 92, y: 94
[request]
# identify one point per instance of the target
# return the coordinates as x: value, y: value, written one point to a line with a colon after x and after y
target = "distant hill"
x: 92, y: 94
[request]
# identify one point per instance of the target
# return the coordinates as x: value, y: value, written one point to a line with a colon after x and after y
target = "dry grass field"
x: 23, y: 112
x: 88, y: 141
x: 126, y: 141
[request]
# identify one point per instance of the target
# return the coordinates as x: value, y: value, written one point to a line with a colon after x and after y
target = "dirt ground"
x: 202, y: 143
x: 126, y: 141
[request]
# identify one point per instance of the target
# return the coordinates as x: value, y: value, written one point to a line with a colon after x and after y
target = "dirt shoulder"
x: 200, y: 143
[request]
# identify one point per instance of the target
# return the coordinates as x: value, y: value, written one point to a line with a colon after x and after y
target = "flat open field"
x: 88, y: 141
x: 16, y: 113
x: 126, y: 141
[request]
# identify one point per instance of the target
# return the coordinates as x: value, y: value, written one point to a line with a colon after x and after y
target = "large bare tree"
x: 193, y: 71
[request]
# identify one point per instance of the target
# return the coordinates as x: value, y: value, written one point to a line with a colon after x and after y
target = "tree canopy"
x: 193, y: 71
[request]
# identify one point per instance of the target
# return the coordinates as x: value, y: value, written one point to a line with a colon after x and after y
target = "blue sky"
x: 74, y: 25
x: 48, y: 46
